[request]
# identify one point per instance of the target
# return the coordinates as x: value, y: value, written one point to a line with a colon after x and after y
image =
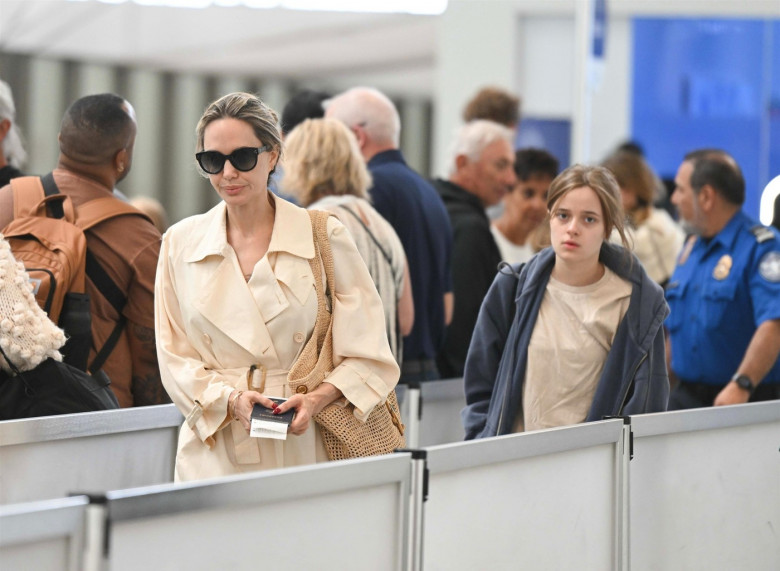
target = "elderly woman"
x: 655, y: 238
x: 324, y: 170
x: 236, y: 303
x: 574, y: 334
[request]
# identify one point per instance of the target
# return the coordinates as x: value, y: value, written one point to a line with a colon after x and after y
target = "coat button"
x: 206, y: 339
x: 298, y: 337
x: 301, y: 390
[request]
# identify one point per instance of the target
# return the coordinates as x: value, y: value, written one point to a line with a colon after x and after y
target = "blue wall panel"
x: 706, y: 83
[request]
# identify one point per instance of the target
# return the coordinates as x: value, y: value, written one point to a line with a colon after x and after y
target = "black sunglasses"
x: 243, y: 159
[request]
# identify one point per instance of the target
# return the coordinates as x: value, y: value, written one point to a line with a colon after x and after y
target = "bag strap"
x: 371, y: 235
x: 389, y: 261
x: 11, y: 364
x: 88, y: 215
x: 28, y: 193
x: 32, y: 196
x: 322, y: 251
x: 315, y: 359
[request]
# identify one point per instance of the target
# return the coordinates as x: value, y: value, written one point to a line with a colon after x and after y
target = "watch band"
x: 744, y: 382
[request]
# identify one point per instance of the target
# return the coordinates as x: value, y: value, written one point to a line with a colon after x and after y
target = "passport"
x: 266, y: 424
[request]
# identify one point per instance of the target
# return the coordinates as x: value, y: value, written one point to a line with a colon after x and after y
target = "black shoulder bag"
x: 51, y: 388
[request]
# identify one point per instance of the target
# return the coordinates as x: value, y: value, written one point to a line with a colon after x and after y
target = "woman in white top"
x: 656, y: 239
x: 324, y: 170
x: 235, y: 303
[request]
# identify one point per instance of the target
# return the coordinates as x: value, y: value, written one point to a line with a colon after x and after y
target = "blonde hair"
x: 322, y: 158
x: 603, y: 183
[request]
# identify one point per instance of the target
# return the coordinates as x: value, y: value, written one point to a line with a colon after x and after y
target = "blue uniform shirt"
x: 721, y: 291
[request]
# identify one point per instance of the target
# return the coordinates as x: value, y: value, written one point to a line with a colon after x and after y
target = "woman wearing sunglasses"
x: 235, y: 304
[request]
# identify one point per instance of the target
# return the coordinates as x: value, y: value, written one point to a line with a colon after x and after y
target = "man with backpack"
x: 112, y: 286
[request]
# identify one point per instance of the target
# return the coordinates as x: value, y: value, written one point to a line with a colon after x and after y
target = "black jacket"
x: 475, y: 259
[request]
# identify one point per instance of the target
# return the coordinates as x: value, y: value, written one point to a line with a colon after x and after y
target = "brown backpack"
x: 48, y: 236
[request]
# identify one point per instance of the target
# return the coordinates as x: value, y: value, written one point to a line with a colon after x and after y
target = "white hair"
x: 12, y: 146
x: 370, y: 109
x: 473, y: 137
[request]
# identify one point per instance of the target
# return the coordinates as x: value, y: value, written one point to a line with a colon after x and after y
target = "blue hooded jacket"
x: 634, y: 379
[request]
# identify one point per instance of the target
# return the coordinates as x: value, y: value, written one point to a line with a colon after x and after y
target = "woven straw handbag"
x: 343, y: 434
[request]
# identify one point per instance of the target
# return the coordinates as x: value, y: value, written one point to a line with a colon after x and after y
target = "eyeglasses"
x: 243, y: 159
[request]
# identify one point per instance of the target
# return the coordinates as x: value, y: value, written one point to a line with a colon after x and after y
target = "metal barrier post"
x: 418, y: 495
x: 624, y: 451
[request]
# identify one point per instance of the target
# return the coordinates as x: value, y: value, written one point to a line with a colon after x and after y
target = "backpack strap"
x: 33, y: 195
x: 28, y: 194
x: 88, y: 215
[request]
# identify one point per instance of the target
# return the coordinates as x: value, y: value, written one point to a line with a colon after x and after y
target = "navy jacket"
x: 634, y: 379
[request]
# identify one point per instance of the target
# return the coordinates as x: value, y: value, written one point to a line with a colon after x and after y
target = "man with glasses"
x: 96, y: 141
x: 414, y: 210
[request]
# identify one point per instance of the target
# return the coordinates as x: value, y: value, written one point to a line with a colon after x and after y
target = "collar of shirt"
x: 292, y: 232
x: 451, y: 192
x: 728, y: 234
x: 389, y: 156
x: 81, y: 187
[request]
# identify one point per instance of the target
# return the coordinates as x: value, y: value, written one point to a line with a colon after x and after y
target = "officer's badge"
x: 723, y: 268
x: 769, y: 267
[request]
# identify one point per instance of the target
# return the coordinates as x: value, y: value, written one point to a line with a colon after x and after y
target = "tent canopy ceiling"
x: 395, y: 52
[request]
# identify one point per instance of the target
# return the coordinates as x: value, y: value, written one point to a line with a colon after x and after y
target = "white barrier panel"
x: 431, y: 412
x: 441, y: 403
x: 337, y: 515
x: 705, y: 489
x: 52, y: 456
x: 537, y: 500
x: 43, y: 535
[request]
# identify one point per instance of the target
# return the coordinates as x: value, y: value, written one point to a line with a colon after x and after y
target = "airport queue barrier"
x: 675, y: 490
x: 50, y: 457
x: 431, y: 411
x: 705, y: 489
x: 115, y: 449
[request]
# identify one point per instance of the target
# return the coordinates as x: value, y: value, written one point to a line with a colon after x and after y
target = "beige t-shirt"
x: 568, y: 348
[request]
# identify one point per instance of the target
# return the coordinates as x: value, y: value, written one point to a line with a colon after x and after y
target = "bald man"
x: 96, y: 140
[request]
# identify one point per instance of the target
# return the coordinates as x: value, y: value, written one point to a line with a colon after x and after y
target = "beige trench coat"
x: 212, y: 325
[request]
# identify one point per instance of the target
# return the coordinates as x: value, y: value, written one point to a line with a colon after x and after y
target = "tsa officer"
x: 724, y: 295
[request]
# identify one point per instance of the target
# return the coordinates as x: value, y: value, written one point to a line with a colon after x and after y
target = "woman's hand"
x: 244, y: 402
x: 307, y: 405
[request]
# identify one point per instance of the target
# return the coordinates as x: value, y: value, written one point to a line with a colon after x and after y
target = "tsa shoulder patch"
x: 769, y: 266
x: 762, y: 233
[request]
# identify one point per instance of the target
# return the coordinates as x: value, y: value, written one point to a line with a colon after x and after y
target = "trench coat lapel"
x: 225, y: 299
x: 228, y: 304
